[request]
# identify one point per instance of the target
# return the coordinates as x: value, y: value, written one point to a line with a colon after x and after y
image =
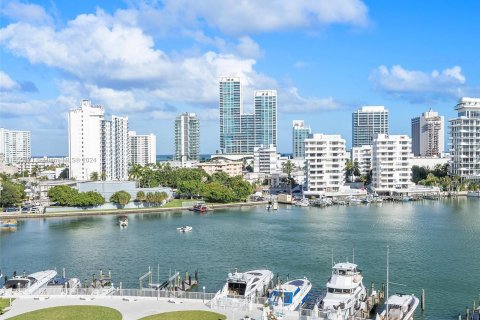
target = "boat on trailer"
x: 290, y: 295
x: 123, y: 221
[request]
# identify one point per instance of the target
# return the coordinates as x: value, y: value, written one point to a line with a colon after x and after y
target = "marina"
x: 292, y: 240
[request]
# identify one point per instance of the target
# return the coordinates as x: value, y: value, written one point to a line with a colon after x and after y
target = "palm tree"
x: 349, y: 169
x: 287, y: 167
x: 135, y: 172
x: 94, y: 176
x: 103, y: 176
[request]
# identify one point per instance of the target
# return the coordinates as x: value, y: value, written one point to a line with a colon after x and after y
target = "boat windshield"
x: 340, y: 291
x: 16, y: 283
x: 237, y: 288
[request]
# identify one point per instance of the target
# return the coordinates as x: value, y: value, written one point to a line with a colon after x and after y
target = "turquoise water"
x: 434, y: 245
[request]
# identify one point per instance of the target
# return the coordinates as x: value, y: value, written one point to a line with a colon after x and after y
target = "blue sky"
x: 152, y: 60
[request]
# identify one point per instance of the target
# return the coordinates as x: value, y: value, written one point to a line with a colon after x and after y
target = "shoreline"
x: 85, y: 213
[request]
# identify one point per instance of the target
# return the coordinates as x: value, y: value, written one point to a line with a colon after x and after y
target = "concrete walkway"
x: 131, y: 309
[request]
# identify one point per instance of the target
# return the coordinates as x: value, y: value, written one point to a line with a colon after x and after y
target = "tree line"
x: 192, y: 182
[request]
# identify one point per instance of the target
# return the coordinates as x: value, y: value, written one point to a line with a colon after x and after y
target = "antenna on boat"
x: 353, y: 256
x: 388, y: 256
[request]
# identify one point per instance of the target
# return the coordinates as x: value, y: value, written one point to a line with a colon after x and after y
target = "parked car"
x: 10, y: 209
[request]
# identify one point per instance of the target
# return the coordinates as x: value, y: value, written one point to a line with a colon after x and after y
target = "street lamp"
x: 203, y: 294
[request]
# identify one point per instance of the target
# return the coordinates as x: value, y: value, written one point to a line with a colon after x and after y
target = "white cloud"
x: 7, y: 83
x: 243, y: 17
x: 300, y: 64
x: 419, y: 85
x: 247, y: 47
x: 18, y: 11
x: 116, y: 100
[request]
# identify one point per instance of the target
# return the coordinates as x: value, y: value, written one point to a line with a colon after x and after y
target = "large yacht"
x: 345, y: 292
x: 248, y: 285
x: 290, y: 295
x: 30, y: 284
x: 400, y: 307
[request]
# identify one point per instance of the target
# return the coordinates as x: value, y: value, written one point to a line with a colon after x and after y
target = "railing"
x: 138, y: 293
x: 311, y: 314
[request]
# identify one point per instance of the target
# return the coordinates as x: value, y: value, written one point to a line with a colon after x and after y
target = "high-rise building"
x: 363, y: 156
x: 84, y: 140
x: 187, y: 137
x: 428, y: 135
x: 465, y: 140
x: 120, y: 151
x: 230, y: 111
x: 15, y: 145
x: 391, y: 156
x: 265, y: 117
x: 325, y: 163
x: 299, y: 134
x: 366, y: 122
x: 96, y: 145
x: 143, y: 148
x: 241, y: 132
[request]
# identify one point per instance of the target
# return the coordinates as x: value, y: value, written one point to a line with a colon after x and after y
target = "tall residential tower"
x: 366, y: 122
x: 241, y: 132
x: 300, y: 132
x: 143, y: 148
x: 187, y: 137
x: 465, y: 140
x: 15, y: 145
x: 428, y: 135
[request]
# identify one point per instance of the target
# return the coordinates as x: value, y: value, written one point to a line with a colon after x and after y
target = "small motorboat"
x: 400, y: 307
x: 123, y: 221
x: 8, y: 223
x: 290, y: 295
x: 185, y: 229
x: 246, y: 285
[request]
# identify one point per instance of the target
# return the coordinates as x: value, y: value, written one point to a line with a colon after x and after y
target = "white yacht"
x: 400, y: 307
x: 30, y: 284
x: 290, y: 295
x: 248, y: 285
x: 303, y: 202
x: 345, y: 292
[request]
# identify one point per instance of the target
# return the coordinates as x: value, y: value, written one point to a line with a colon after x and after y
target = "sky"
x: 152, y: 60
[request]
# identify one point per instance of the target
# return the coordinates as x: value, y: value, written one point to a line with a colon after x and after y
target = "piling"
x: 467, y: 313
x: 423, y: 300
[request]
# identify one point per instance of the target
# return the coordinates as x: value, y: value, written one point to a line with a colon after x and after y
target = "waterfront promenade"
x: 85, y: 213
x: 131, y: 308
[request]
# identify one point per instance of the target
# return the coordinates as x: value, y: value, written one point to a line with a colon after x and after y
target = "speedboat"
x: 8, y: 223
x: 30, y: 284
x: 201, y: 207
x: 123, y: 221
x: 400, y: 307
x: 345, y: 292
x: 303, y: 202
x: 185, y: 229
x: 247, y: 285
x: 290, y: 295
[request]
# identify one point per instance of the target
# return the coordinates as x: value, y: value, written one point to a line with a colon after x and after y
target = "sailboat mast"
x: 388, y: 253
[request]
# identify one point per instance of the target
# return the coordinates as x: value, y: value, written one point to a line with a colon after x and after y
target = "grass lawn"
x: 187, y: 315
x: 72, y: 313
x: 4, y: 303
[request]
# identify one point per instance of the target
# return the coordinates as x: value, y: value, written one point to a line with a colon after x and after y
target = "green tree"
x: 11, y: 194
x: 120, y: 197
x: 94, y: 176
x: 140, y: 196
x: 103, y: 176
x: 190, y: 188
x: 419, y: 173
x: 216, y: 192
x: 63, y: 195
x: 135, y: 172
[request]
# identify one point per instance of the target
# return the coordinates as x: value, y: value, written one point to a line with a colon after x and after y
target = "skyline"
x: 149, y: 62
